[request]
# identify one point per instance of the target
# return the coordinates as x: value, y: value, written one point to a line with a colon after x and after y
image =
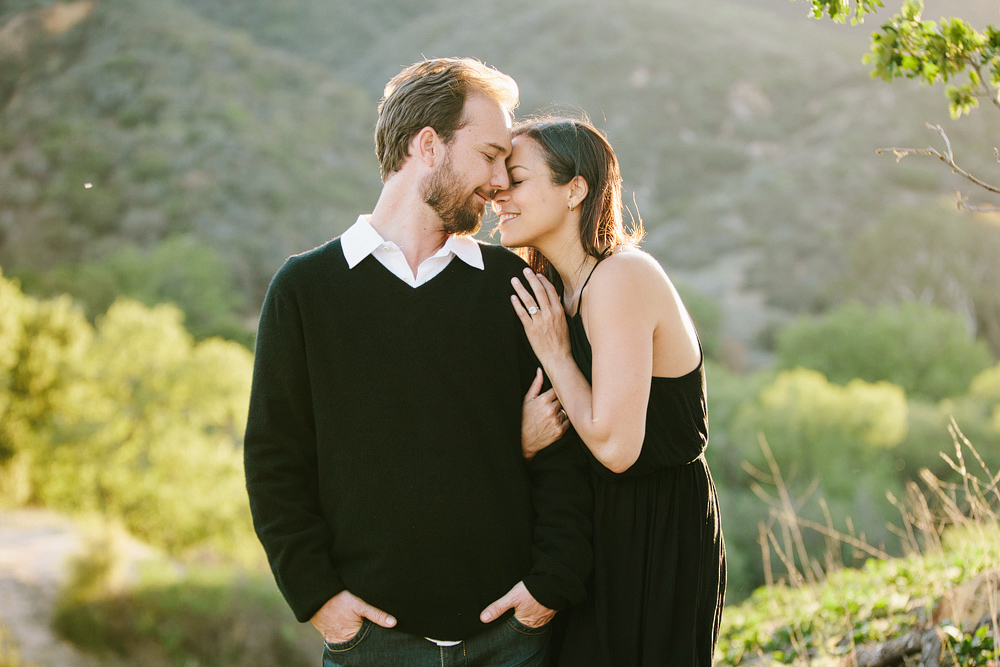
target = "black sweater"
x: 382, y: 450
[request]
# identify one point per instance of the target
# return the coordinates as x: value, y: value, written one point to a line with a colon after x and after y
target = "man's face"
x: 472, y: 168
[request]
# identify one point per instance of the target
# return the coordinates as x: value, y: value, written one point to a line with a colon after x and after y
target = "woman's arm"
x: 630, y: 304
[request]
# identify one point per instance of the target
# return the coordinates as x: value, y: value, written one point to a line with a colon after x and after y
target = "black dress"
x: 659, y: 557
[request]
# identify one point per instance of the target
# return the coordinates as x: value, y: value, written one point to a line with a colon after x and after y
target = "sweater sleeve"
x: 280, y: 459
x: 562, y: 555
x: 563, y: 498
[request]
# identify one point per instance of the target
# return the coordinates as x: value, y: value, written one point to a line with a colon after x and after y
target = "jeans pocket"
x: 358, y: 637
x: 525, y: 629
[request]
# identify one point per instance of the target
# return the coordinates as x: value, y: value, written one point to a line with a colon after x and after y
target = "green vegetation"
x: 820, y: 611
x: 909, y: 46
x: 208, y: 615
x: 852, y: 607
x: 864, y: 403
x: 179, y: 270
x: 246, y: 131
x: 949, y: 259
x: 925, y: 350
x: 129, y: 418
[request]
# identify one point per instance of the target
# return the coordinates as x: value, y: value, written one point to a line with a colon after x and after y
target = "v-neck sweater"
x: 382, y: 450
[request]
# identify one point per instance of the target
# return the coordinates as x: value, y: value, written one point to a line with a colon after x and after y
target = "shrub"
x: 170, y: 615
x: 924, y: 349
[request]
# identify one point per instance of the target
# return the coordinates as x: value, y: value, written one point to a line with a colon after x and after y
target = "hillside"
x: 933, y: 609
x: 138, y: 121
x: 746, y: 132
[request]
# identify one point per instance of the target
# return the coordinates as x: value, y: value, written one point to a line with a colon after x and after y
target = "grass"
x: 851, y: 607
x: 823, y: 614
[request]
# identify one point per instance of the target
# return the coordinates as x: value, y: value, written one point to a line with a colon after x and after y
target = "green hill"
x: 747, y: 133
x: 141, y: 122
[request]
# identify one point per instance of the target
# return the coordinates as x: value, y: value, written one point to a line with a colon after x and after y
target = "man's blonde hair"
x: 432, y: 93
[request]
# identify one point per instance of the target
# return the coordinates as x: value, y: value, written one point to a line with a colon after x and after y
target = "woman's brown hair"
x: 574, y: 148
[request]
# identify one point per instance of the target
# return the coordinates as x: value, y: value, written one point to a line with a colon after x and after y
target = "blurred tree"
x: 180, y: 270
x: 924, y: 349
x: 908, y: 46
x: 41, y: 342
x: 932, y: 255
x: 818, y: 428
x: 131, y: 418
x: 985, y: 387
x: 153, y: 435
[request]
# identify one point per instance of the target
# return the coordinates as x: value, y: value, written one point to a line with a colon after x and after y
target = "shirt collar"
x: 361, y: 240
x: 466, y: 249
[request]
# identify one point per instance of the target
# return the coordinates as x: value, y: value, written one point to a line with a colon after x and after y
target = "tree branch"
x: 949, y: 159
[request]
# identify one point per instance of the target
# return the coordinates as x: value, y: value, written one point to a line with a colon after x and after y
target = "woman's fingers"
x: 522, y: 314
x: 540, y: 293
x: 536, y: 386
x: 550, y: 290
x: 526, y: 298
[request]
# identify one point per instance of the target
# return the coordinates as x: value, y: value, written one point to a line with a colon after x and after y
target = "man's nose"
x: 500, y: 180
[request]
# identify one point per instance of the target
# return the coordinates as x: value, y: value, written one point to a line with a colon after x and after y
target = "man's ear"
x: 427, y: 146
x: 578, y: 190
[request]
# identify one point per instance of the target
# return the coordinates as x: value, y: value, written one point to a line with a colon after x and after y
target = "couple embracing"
x: 421, y: 500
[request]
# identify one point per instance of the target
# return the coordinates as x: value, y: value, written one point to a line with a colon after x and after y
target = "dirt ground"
x: 35, y: 546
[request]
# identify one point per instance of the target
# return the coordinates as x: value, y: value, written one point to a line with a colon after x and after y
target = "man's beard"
x: 443, y: 193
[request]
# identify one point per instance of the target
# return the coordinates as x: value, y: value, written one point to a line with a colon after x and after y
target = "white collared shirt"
x: 361, y: 240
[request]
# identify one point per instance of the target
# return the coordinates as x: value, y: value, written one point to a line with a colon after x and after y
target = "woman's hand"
x: 543, y: 421
x: 544, y: 319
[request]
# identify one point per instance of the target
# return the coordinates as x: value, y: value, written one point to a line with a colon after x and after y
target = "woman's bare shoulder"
x: 630, y: 268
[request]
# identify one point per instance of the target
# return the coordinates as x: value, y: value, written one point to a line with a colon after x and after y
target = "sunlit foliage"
x: 926, y: 350
x: 130, y: 418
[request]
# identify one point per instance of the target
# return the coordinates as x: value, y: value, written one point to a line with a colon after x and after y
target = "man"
x: 383, y: 448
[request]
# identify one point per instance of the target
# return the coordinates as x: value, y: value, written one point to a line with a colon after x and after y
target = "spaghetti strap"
x: 579, y: 305
x: 588, y: 277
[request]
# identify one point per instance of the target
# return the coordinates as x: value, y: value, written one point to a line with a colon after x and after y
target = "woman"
x: 625, y: 362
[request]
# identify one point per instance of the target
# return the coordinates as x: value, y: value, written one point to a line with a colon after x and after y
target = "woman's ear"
x: 427, y: 146
x: 578, y: 190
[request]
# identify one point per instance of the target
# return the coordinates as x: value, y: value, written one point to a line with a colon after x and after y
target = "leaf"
x: 952, y: 632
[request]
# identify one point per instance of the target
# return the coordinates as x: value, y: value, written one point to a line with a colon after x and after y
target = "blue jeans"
x: 509, y: 643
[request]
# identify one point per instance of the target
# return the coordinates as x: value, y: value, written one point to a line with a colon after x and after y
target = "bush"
x: 132, y: 419
x: 217, y: 616
x: 818, y: 428
x: 924, y: 349
x: 179, y: 270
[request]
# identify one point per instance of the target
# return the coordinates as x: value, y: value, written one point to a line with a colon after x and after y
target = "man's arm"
x: 280, y: 458
x: 563, y: 499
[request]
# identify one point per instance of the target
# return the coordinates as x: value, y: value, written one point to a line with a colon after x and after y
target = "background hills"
x: 220, y: 137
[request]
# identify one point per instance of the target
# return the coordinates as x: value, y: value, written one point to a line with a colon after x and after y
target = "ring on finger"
x: 532, y: 310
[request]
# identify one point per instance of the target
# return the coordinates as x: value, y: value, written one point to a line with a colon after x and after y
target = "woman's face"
x: 533, y: 208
